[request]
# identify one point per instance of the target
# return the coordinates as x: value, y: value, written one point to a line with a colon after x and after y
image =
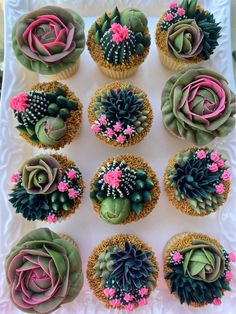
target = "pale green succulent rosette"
x: 198, y: 105
x: 43, y: 271
x: 48, y: 40
x: 115, y: 210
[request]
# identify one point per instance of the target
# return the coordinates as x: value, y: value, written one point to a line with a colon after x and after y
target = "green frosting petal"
x: 134, y: 19
x: 115, y: 210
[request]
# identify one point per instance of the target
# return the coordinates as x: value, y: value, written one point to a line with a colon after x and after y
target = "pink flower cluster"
x: 120, y: 33
x: 52, y: 218
x: 175, y: 7
x: 113, y: 178
x: 177, y: 257
x: 19, y: 102
x: 15, y: 177
x: 64, y: 186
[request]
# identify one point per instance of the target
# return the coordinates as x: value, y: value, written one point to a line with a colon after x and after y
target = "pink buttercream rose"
x: 220, y: 188
x: 115, y: 303
x: 103, y: 120
x: 213, y: 167
x: 214, y: 156
x: 143, y: 291
x: 221, y: 163
x: 63, y: 186
x: 117, y: 127
x: 216, y: 301
x: 232, y: 257
x: 19, y: 102
x: 142, y: 302
x: 109, y: 292
x: 128, y: 297
x: 52, y: 218
x: 95, y: 128
x: 113, y: 178
x: 128, y: 131
x: 228, y: 275
x: 73, y: 193
x: 71, y: 174
x: 15, y: 177
x: 177, y: 257
x: 201, y: 154
x: 173, y: 5
x: 225, y: 175
x: 109, y: 132
x: 169, y: 17
x: 129, y: 307
x: 120, y: 139
x: 180, y: 11
x: 120, y: 33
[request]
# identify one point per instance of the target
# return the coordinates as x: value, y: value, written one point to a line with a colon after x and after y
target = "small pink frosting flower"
x: 143, y: 292
x: 117, y: 127
x: 232, y: 257
x: 142, y: 302
x: 95, y: 128
x: 173, y: 5
x: 109, y: 132
x: 113, y: 178
x: 177, y: 257
x: 225, y: 175
x: 213, y: 167
x: 220, y: 163
x: 128, y: 297
x: 129, y: 307
x: 103, y: 120
x: 120, y: 33
x: 15, y: 177
x: 214, y: 156
x: 169, y: 17
x: 63, y: 186
x: 220, y: 188
x: 228, y: 275
x: 180, y: 11
x: 217, y: 301
x: 71, y: 174
x: 109, y: 292
x: 115, y: 303
x: 128, y: 131
x: 201, y: 154
x: 18, y: 102
x: 72, y: 193
x: 120, y: 139
x: 52, y: 218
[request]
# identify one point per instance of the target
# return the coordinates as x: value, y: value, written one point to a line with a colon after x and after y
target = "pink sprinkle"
x: 128, y: 297
x: 73, y: 193
x: 71, y: 174
x: 228, y: 275
x: 109, y: 292
x: 117, y: 127
x: 225, y: 175
x: 220, y: 188
x: 201, y: 154
x: 216, y: 301
x: 213, y: 167
x: 177, y: 257
x: 214, y: 156
x: 129, y: 307
x: 95, y: 128
x: 113, y: 178
x: 128, y: 131
x: 18, y: 102
x: 109, y: 132
x: 120, y: 33
x: 52, y: 218
x: 180, y: 11
x: 142, y: 302
x: 103, y: 120
x: 173, y: 5
x: 63, y: 186
x: 169, y: 17
x: 232, y: 257
x: 220, y: 163
x: 15, y: 177
x: 143, y: 292
x: 120, y: 139
x: 115, y: 303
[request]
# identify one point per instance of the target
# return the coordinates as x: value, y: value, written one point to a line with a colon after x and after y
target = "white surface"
x: 85, y: 226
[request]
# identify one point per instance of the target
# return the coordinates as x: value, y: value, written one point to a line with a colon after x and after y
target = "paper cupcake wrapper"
x: 65, y: 74
x: 117, y: 75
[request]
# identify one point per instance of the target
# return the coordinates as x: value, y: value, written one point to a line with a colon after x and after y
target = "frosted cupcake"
x: 198, y: 105
x: 124, y: 189
x: 49, y: 41
x: 197, y: 269
x: 119, y: 42
x: 120, y: 114
x: 44, y: 271
x: 197, y: 181
x: 186, y: 34
x: 122, y: 272
x: 47, y: 187
x: 48, y: 116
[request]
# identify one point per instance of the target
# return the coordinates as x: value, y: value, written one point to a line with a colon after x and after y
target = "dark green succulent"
x: 190, y: 7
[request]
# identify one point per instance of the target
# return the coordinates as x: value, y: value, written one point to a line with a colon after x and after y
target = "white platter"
x: 85, y: 226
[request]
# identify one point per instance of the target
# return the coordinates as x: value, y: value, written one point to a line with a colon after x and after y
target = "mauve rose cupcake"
x: 44, y: 271
x: 49, y: 41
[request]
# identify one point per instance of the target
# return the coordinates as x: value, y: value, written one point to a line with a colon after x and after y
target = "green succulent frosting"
x: 190, y: 7
x: 134, y: 19
x: 198, y: 105
x: 48, y: 40
x: 116, y: 210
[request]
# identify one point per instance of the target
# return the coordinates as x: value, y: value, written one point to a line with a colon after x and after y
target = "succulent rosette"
x: 197, y: 269
x: 43, y: 271
x: 198, y: 105
x: 49, y: 40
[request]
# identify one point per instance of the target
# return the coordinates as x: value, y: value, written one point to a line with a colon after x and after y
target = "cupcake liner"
x: 118, y: 75
x: 119, y: 241
x: 65, y: 74
x: 146, y: 106
x: 135, y: 163
x: 184, y: 206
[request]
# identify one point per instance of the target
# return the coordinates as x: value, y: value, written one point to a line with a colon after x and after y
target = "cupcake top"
x: 43, y: 271
x: 120, y: 114
x: 48, y: 116
x: 122, y: 272
x: 48, y: 40
x: 198, y: 105
x: 119, y: 38
x: 124, y: 189
x: 197, y: 181
x: 187, y: 32
x: 197, y: 269
x: 47, y: 187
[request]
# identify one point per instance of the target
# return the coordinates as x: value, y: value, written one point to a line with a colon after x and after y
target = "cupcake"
x: 197, y: 181
x: 197, y: 269
x: 49, y: 41
x: 186, y: 34
x: 122, y: 272
x: 119, y: 42
x: 44, y: 271
x: 48, y: 116
x: 198, y: 105
x: 120, y: 114
x: 47, y: 188
x: 124, y: 189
